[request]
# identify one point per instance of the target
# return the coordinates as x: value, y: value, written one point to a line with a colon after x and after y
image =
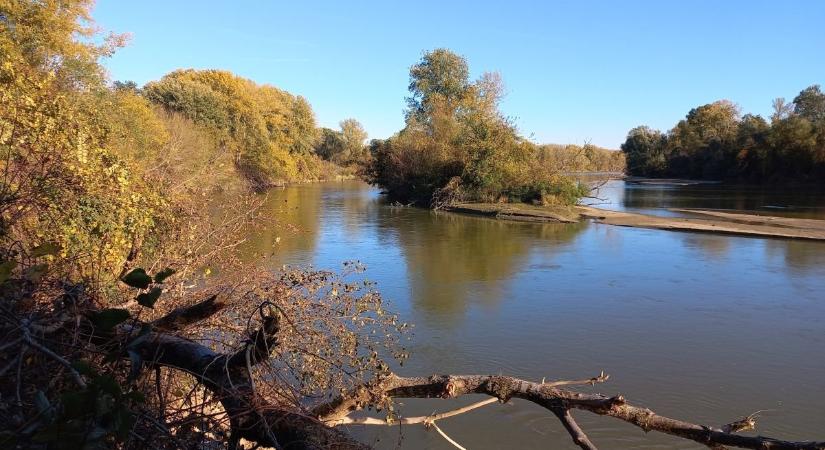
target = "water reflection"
x: 293, y: 227
x: 712, y: 246
x: 455, y: 261
x: 801, y: 256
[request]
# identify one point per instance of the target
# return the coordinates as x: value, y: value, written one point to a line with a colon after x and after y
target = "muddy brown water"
x: 702, y: 327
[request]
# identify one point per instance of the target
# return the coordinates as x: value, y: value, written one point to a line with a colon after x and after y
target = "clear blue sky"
x: 574, y: 71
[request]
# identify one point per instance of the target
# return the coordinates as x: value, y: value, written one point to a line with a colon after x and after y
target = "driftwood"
x: 256, y: 419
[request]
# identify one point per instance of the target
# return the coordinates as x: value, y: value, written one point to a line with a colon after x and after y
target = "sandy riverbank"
x: 708, y: 221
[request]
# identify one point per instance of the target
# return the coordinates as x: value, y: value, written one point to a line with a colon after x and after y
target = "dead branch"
x: 578, y: 435
x: 559, y: 401
x: 413, y: 420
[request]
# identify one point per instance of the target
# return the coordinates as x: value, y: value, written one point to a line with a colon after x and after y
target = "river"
x: 706, y: 328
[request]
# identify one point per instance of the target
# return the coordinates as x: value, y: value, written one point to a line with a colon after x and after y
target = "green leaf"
x: 6, y: 269
x: 164, y: 274
x: 148, y: 299
x: 109, y: 318
x: 137, y: 279
x: 45, y: 249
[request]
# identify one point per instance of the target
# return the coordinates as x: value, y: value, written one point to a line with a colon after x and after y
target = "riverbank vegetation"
x: 458, y: 146
x: 716, y: 142
x: 116, y: 205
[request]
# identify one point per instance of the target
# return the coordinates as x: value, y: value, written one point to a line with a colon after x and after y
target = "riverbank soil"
x: 710, y: 221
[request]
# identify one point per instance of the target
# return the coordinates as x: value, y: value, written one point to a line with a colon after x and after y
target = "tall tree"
x: 353, y: 137
x: 781, y: 109
x: 810, y: 103
x: 440, y: 78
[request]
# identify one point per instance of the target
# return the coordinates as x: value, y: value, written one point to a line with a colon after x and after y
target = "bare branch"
x: 27, y: 338
x: 413, y: 420
x: 448, y: 438
x: 554, y: 399
x: 578, y: 435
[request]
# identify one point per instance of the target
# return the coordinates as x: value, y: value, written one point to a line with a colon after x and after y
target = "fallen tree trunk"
x: 228, y: 377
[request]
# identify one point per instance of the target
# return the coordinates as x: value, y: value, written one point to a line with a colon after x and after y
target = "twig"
x: 448, y: 438
x: 34, y: 344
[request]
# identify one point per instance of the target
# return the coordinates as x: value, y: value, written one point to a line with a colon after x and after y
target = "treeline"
x: 116, y: 173
x: 581, y: 158
x: 457, y: 146
x: 715, y: 142
x: 271, y: 133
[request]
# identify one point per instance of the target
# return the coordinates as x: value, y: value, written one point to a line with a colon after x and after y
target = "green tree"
x: 703, y: 144
x: 645, y: 152
x: 810, y: 104
x: 754, y: 153
x: 712, y: 142
x: 457, y: 145
x: 330, y: 144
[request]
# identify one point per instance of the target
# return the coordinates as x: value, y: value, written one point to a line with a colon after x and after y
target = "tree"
x: 270, y: 131
x: 129, y: 85
x: 810, y: 104
x: 458, y: 146
x: 59, y: 38
x: 441, y: 78
x: 703, y: 143
x: 344, y: 147
x: 330, y: 144
x: 352, y: 137
x: 712, y: 142
x: 754, y: 157
x: 100, y: 353
x: 781, y: 109
x: 644, y: 150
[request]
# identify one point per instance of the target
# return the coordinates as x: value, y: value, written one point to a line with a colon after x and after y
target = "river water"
x: 706, y: 328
